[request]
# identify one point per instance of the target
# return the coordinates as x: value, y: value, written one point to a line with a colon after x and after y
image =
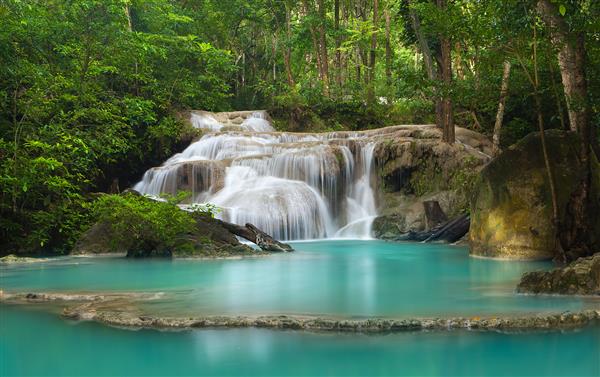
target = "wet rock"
x: 97, y: 240
x: 371, y: 325
x: 209, y: 239
x: 415, y: 166
x: 120, y: 310
x: 410, y: 224
x: 12, y: 258
x: 581, y: 277
x: 511, y: 210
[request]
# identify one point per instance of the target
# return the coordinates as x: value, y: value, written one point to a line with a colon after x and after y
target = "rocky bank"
x: 581, y: 277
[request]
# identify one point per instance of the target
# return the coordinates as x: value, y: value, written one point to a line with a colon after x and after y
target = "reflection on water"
x: 342, y: 278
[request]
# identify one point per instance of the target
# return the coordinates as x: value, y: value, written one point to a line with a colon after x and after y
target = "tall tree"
x: 338, y: 42
x: 373, y: 52
x: 574, y: 232
x: 501, y: 107
x: 430, y: 68
x: 323, y: 47
x: 388, y: 47
x: 446, y: 70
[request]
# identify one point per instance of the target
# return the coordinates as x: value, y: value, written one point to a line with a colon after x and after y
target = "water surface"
x: 337, y: 278
x: 38, y: 343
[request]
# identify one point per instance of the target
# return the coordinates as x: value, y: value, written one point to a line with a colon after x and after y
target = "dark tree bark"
x: 448, y: 134
x: 448, y: 116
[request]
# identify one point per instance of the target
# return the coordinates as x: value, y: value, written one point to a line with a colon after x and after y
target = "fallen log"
x: 449, y: 231
x: 256, y: 236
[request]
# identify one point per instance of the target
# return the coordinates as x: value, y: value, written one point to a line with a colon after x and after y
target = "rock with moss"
x: 581, y: 277
x: 140, y: 227
x: 414, y: 165
x: 511, y: 209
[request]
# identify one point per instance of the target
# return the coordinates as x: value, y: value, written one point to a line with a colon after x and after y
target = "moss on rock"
x: 511, y: 210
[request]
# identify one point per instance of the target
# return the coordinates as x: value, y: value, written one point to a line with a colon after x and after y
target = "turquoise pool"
x: 334, y: 278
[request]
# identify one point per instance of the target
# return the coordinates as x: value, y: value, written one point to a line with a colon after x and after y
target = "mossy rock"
x: 581, y: 277
x: 511, y: 207
x: 208, y: 239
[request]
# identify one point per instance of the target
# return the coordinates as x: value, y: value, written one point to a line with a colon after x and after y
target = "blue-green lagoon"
x: 355, y: 279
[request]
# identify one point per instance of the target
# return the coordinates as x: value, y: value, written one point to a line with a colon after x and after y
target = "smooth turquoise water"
x: 346, y: 278
x: 38, y: 343
x: 341, y: 278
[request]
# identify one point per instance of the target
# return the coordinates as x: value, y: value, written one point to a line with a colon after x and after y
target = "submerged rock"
x: 12, y: 258
x: 511, y: 210
x: 565, y: 320
x: 123, y: 310
x: 581, y: 277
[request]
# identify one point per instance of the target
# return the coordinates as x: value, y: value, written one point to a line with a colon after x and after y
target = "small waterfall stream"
x: 293, y: 186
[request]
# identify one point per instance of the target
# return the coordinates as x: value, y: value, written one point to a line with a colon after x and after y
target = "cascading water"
x: 293, y: 186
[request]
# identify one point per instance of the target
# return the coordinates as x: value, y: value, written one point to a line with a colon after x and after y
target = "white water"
x: 292, y: 186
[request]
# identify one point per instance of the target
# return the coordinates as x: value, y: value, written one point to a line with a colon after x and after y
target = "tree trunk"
x: 423, y: 45
x: 135, y: 63
x: 256, y: 236
x: 432, y: 73
x: 338, y: 42
x: 574, y: 232
x: 315, y: 42
x: 287, y: 51
x: 323, y: 48
x: 571, y: 59
x: 557, y: 98
x: 388, y: 48
x: 446, y: 60
x: 501, y: 105
x: 460, y: 73
x: 373, y: 52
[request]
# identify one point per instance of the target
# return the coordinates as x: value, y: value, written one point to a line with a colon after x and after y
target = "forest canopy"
x: 92, y: 90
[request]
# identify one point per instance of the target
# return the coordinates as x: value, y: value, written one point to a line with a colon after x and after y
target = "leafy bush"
x: 143, y: 226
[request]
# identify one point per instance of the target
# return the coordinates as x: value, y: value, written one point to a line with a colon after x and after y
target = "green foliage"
x: 90, y: 92
x: 204, y: 209
x: 143, y: 226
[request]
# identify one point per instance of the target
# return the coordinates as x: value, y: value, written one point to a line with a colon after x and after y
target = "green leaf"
x: 562, y: 9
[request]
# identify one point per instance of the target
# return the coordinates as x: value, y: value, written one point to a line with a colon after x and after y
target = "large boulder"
x: 209, y: 239
x: 581, y: 277
x: 511, y: 210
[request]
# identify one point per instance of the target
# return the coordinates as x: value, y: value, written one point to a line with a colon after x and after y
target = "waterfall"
x: 291, y: 185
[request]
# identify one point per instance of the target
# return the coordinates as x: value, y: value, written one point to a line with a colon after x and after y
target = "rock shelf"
x: 116, y: 310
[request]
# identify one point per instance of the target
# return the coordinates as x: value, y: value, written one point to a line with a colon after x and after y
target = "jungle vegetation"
x: 91, y: 91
